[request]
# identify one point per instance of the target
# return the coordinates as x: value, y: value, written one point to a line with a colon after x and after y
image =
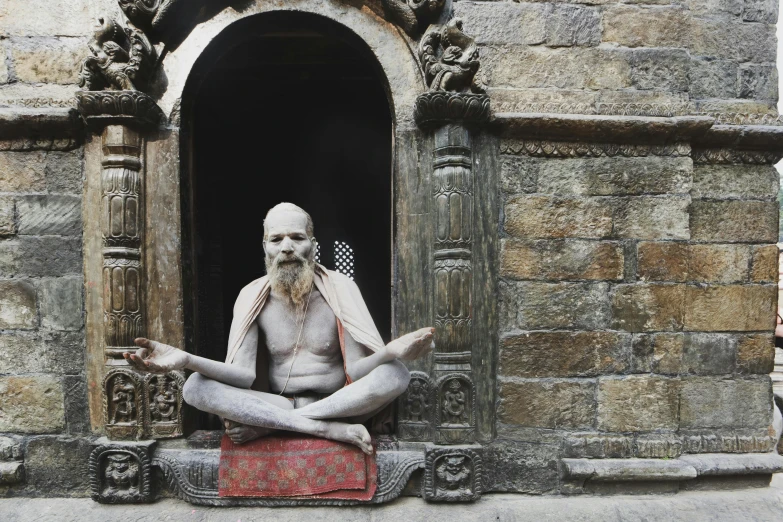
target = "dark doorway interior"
x: 296, y: 115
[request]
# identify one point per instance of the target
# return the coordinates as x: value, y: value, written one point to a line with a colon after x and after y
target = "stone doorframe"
x: 443, y: 166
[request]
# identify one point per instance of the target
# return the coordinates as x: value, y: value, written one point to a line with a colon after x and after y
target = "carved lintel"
x: 453, y: 474
x: 436, y: 108
x: 121, y: 472
x: 131, y: 108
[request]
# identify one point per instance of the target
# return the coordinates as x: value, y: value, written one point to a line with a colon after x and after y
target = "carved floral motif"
x: 566, y: 149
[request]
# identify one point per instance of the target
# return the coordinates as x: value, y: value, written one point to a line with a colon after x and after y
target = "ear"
x: 263, y: 243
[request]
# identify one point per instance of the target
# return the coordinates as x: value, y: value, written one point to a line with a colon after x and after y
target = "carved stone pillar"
x: 135, y: 406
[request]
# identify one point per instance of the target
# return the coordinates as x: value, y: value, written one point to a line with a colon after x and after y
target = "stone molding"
x: 132, y: 108
x: 25, y: 129
x: 437, y: 107
x: 581, y: 149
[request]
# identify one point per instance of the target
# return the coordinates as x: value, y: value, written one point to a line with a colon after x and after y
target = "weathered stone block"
x: 519, y: 175
x: 502, y: 23
x: 764, y: 264
x: 48, y: 59
x: 31, y: 404
x: 664, y: 261
x: 561, y: 259
x: 734, y: 221
x: 597, y: 446
x: 657, y: 353
x: 735, y: 182
x: 718, y: 263
x: 22, y: 171
x: 553, y: 217
x: 759, y: 82
x: 709, y: 354
x: 548, y: 404
x: 711, y: 78
x: 17, y: 305
x: 7, y: 217
x: 765, y: 11
x: 40, y: 257
x: 564, y: 354
x: 569, y: 25
x: 522, y: 467
x: 58, y: 466
x: 648, y: 307
x: 62, y: 304
x: 3, y: 66
x: 531, y: 306
x: 633, y: 26
x: 63, y: 172
x: 77, y: 417
x: 717, y: 37
x: 713, y: 7
x: 637, y: 403
x: 652, y: 218
x: 614, y: 176
x: 658, y: 446
x: 50, y: 215
x: 660, y: 69
x: 730, y: 308
x: 21, y: 353
x: 64, y: 352
x: 707, y: 402
x: 756, y: 354
x: 62, y: 17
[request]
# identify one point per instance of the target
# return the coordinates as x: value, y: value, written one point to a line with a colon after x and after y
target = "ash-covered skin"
x: 233, y: 392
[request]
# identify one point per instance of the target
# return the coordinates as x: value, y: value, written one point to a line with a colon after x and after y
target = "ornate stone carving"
x: 415, y: 409
x: 122, y: 58
x: 566, y: 149
x: 454, y: 416
x: 450, y: 59
x: 134, y: 108
x: 433, y: 108
x: 413, y: 15
x: 723, y: 155
x: 148, y: 14
x: 123, y: 404
x: 164, y: 404
x: 121, y: 473
x: 453, y: 474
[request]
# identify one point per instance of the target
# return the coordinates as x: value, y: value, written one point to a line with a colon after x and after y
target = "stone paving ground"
x: 750, y: 505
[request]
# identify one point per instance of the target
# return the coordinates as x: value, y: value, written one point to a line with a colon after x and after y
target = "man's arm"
x: 408, y: 348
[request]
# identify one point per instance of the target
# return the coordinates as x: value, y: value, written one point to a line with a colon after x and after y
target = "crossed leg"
x: 264, y: 410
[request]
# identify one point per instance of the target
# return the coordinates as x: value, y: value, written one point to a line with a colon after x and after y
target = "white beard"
x: 291, y: 280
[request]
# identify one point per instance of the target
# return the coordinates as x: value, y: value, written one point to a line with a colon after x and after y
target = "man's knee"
x: 394, y: 377
x: 194, y: 389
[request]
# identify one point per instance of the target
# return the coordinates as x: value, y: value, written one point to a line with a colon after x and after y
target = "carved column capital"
x: 437, y: 108
x: 130, y: 108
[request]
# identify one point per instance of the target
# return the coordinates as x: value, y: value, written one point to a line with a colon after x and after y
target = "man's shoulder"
x: 339, y: 278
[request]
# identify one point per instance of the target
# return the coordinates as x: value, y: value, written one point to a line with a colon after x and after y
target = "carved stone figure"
x: 454, y: 404
x: 123, y: 399
x: 147, y: 14
x: 122, y: 473
x: 413, y: 15
x: 163, y: 400
x: 121, y: 58
x: 417, y: 401
x: 450, y: 59
x: 453, y: 472
x: 304, y: 354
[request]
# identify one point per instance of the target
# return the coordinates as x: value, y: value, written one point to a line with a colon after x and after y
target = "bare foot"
x: 241, y: 433
x: 412, y: 345
x: 355, y: 434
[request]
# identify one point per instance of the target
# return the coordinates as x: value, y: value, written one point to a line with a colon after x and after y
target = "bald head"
x: 282, y: 212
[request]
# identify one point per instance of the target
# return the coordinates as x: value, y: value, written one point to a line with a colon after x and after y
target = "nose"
x: 287, y: 245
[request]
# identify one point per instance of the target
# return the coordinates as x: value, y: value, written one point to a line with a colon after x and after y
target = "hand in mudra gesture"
x: 413, y: 345
x: 155, y: 357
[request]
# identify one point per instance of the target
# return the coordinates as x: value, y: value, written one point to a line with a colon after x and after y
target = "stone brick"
x: 64, y: 172
x: 531, y: 306
x: 708, y: 402
x: 598, y: 446
x: 564, y: 354
x: 658, y: 353
x: 652, y: 218
x: 64, y: 352
x: 564, y: 68
x: 50, y: 215
x: 660, y: 69
x: 734, y: 221
x: 717, y: 38
x: 548, y: 404
x: 7, y: 217
x: 569, y: 25
x: 61, y: 303
x: 637, y: 403
x: 759, y: 82
x: 663, y: 261
x: 616, y: 176
x: 518, y: 175
x: 31, y: 404
x: 765, y: 11
x: 713, y: 7
x: 504, y: 23
x: 718, y: 263
x: 561, y: 259
x: 20, y: 353
x: 735, y: 182
x: 77, y: 417
x: 756, y: 354
x: 556, y: 217
x: 764, y: 264
x: 730, y: 308
x: 522, y: 467
x: 633, y: 26
x: 648, y: 307
x: 709, y: 354
x: 17, y: 305
x: 62, y: 17
x: 48, y: 60
x: 58, y: 466
x: 711, y: 78
x: 3, y: 66
x: 22, y: 171
x: 40, y: 257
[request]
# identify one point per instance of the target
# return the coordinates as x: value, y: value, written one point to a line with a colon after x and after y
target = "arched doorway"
x: 283, y: 107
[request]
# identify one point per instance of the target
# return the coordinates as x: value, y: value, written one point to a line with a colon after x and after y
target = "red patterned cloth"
x: 296, y: 466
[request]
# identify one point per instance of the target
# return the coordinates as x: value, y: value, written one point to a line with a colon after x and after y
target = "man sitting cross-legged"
x: 304, y: 354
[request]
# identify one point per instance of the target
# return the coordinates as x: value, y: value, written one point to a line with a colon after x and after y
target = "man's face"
x: 287, y: 237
